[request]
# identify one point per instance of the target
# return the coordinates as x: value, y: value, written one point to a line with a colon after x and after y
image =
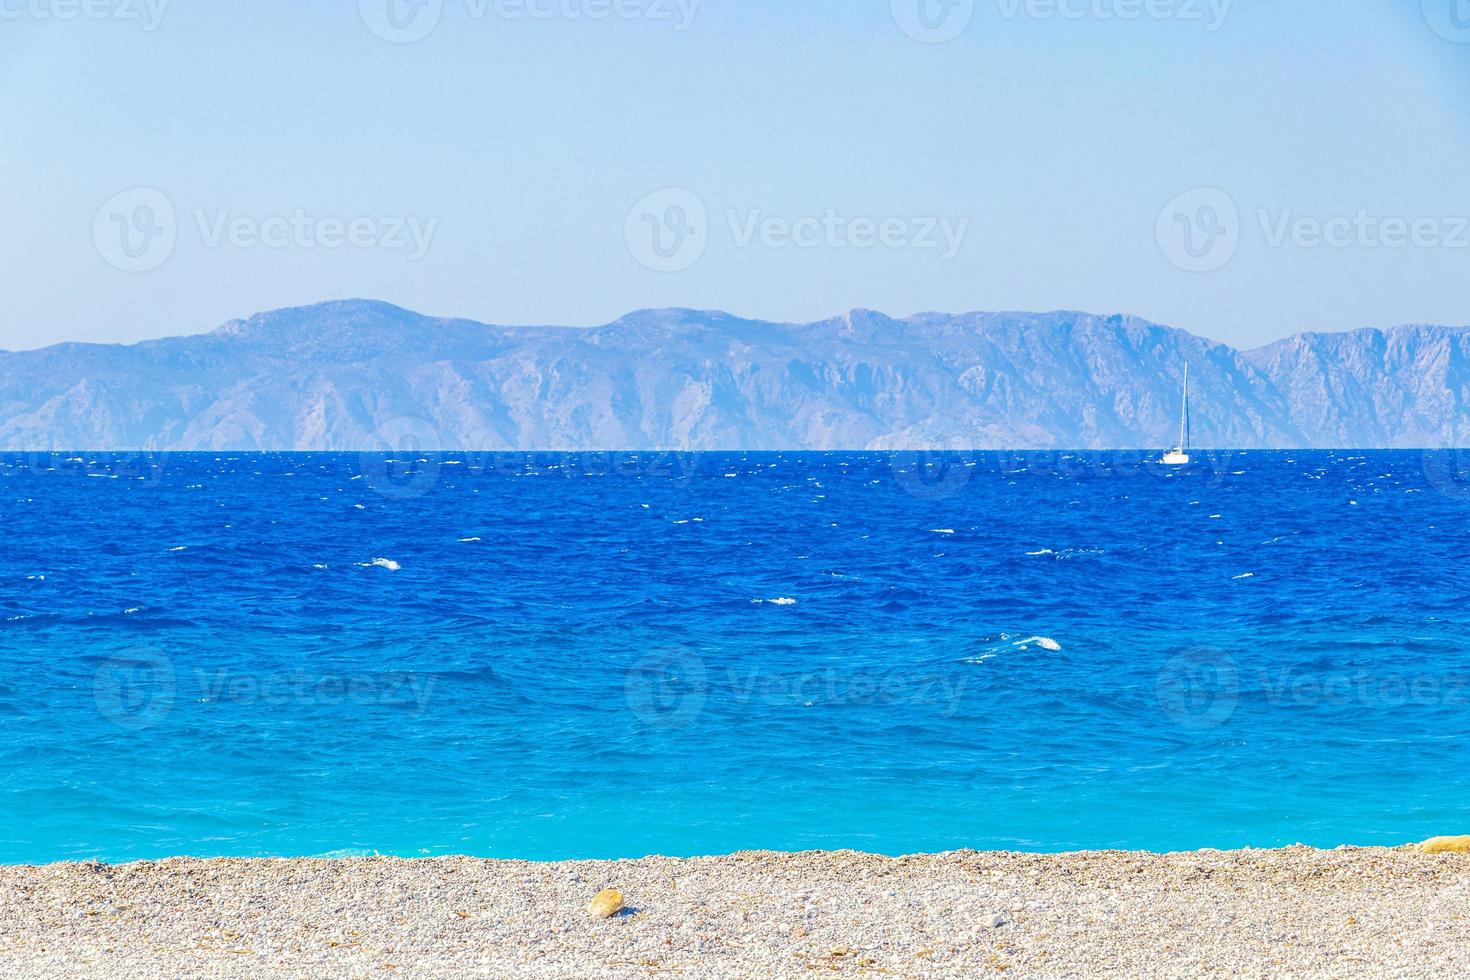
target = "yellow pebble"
x: 1446, y: 845
x: 606, y: 904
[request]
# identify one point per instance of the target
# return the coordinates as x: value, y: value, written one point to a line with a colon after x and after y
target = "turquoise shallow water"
x: 592, y: 656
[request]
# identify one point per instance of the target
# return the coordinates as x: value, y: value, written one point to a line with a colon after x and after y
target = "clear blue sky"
x: 525, y: 141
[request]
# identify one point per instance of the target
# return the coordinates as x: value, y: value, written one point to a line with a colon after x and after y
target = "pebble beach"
x: 1402, y: 912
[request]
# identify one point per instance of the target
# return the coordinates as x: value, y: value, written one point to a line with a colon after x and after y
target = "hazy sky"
x: 1244, y: 170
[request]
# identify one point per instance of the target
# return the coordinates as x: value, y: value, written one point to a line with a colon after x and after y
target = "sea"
x: 605, y: 655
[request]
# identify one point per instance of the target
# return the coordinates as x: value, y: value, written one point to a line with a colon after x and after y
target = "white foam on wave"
x: 1246, y: 575
x: 783, y: 601
x: 468, y: 540
x: 1011, y: 644
x: 387, y: 563
x: 943, y: 530
x: 1066, y: 553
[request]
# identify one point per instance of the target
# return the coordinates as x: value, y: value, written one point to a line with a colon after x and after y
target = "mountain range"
x: 356, y: 374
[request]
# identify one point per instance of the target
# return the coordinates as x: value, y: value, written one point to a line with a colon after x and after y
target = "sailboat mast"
x: 1184, y: 414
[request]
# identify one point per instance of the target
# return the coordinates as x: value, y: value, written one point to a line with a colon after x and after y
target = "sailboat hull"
x: 1176, y: 459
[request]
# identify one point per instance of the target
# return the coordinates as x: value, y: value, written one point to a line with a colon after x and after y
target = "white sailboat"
x: 1180, y: 455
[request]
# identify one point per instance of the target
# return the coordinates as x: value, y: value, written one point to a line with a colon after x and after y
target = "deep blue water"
x: 578, y: 656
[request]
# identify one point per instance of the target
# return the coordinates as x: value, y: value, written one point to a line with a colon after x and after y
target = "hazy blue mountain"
x: 356, y: 374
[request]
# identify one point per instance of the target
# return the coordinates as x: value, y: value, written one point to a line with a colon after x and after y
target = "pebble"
x: 605, y: 904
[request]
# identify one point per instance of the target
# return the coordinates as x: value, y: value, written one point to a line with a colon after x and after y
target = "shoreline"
x: 1297, y: 910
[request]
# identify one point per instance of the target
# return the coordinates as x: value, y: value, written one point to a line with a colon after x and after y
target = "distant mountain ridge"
x: 357, y: 374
